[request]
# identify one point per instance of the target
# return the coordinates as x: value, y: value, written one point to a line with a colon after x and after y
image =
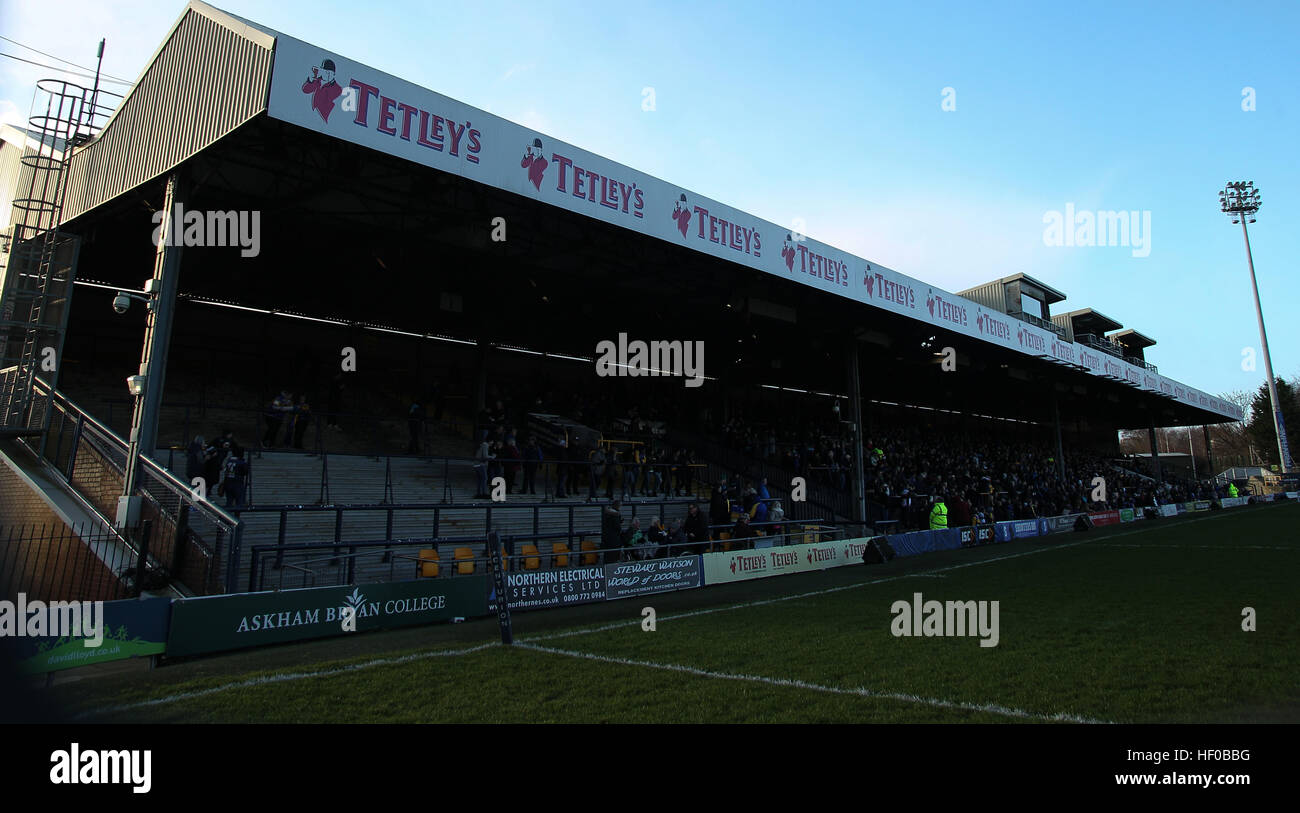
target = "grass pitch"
x: 1139, y: 623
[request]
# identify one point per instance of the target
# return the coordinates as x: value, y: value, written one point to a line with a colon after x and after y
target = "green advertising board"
x: 1126, y: 515
x: 131, y: 628
x: 218, y: 623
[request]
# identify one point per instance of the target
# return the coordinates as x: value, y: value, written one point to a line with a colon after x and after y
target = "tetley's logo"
x: 392, y: 116
x: 581, y: 183
x: 715, y: 229
x: 947, y: 311
x: 879, y: 287
x: 990, y: 326
x: 1032, y: 340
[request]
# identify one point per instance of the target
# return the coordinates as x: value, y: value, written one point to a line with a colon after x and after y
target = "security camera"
x: 121, y: 303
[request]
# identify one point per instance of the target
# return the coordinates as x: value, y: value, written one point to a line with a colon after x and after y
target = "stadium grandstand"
x: 363, y: 328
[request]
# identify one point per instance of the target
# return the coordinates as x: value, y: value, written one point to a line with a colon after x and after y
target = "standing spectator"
x: 631, y: 467
x: 301, y: 419
x: 482, y: 458
x: 414, y: 424
x: 562, y: 470
x: 596, y: 470
x: 611, y: 472
x: 510, y: 454
x: 280, y: 405
x: 697, y: 528
x: 532, y: 456
x: 235, y: 477
x: 719, y: 509
x: 194, y: 459
x: 611, y: 532
x: 776, y: 514
x: 213, y: 458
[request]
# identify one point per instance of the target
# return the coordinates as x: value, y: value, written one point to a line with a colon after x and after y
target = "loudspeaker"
x: 878, y: 551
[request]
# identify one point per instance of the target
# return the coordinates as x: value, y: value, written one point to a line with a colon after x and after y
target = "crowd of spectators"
x: 696, y: 531
x: 217, y: 467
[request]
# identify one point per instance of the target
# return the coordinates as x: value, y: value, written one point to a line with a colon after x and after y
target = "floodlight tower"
x: 1240, y: 201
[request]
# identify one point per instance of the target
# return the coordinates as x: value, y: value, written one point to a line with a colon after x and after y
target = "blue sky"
x: 832, y: 113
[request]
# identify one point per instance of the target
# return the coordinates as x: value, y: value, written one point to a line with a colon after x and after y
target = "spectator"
x: 236, y: 476
x: 611, y: 532
x: 633, y: 542
x: 280, y: 405
x: 301, y: 419
x: 595, y: 470
x: 511, y: 457
x: 213, y: 459
x: 742, y: 532
x: 677, y: 538
x: 656, y: 539
x: 194, y: 459
x: 532, y: 458
x: 482, y: 458
x: 719, y: 509
x: 776, y: 514
x: 562, y: 470
x: 696, y: 528
x: 414, y: 425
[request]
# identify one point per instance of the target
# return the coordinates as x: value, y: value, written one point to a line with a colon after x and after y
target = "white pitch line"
x: 284, y: 678
x: 990, y: 708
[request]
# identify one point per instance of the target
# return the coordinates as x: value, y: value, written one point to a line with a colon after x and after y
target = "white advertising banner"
x: 741, y: 565
x: 331, y: 94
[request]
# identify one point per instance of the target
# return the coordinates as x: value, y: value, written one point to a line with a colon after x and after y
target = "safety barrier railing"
x: 315, y: 564
x: 192, y: 538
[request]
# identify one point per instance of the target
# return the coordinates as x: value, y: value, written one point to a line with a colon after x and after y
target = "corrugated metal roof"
x: 211, y: 74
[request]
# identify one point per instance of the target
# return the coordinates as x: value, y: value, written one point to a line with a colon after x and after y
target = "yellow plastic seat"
x: 424, y: 567
x: 589, y: 558
x: 532, y: 558
x: 560, y: 554
x: 464, y: 568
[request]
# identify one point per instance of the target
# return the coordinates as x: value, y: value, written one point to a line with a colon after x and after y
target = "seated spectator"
x: 742, y: 532
x: 677, y: 538
x: 633, y: 542
x: 656, y: 540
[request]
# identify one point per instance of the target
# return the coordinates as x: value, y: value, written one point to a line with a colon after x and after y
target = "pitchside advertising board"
x: 217, y: 623
x: 538, y: 589
x: 629, y: 579
x: 327, y: 93
x: 735, y: 566
x: 535, y: 589
x: 132, y: 629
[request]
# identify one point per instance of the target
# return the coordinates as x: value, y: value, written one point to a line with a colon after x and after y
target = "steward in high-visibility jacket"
x: 1232, y: 490
x: 939, y: 516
